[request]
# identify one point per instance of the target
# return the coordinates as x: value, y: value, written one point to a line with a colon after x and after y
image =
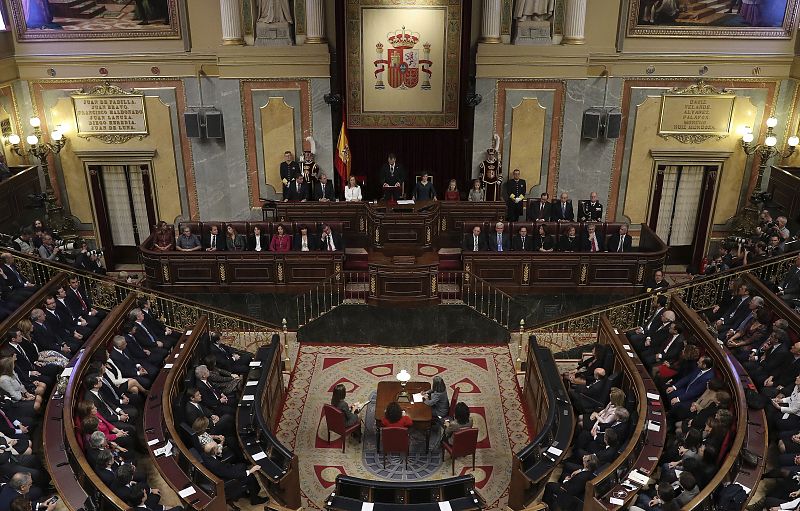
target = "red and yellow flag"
x: 342, y: 158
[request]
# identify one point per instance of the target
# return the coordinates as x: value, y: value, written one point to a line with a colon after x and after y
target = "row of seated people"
x: 249, y: 236
x: 550, y: 237
x: 34, y: 353
x: 603, y: 427
x: 700, y: 418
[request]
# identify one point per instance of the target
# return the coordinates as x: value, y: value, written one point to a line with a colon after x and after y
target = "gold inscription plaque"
x: 693, y: 118
x: 103, y: 115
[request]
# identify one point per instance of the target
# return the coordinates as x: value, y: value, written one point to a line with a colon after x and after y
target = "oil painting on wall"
x: 772, y: 19
x: 95, y: 19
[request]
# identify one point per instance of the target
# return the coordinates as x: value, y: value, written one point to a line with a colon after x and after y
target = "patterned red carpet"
x: 485, y: 376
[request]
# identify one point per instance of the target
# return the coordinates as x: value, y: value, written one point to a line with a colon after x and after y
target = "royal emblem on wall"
x: 403, y: 61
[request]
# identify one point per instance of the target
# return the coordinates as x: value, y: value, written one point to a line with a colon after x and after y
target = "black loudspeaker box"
x: 613, y: 124
x: 592, y: 121
x: 192, y: 121
x: 214, y: 124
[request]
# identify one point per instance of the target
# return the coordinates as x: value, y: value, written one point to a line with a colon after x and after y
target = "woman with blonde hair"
x: 46, y: 357
x: 616, y: 400
x: 11, y: 386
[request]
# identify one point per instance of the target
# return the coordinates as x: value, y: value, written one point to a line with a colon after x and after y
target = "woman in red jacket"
x: 281, y: 242
x: 395, y: 417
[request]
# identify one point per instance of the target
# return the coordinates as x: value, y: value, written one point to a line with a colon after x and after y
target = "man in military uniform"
x: 515, y: 196
x: 289, y: 169
x: 308, y: 167
x: 590, y: 210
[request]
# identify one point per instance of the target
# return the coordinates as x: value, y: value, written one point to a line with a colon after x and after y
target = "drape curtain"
x: 680, y: 196
x: 119, y: 205
x: 139, y: 204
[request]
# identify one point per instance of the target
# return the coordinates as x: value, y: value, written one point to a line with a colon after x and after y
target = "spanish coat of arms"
x: 403, y: 61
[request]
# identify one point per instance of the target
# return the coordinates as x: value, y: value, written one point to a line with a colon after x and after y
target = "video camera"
x: 67, y: 245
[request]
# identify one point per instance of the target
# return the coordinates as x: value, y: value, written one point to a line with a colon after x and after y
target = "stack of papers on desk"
x: 638, y: 478
x: 186, y: 492
x: 445, y: 506
x: 417, y: 397
x: 251, y: 383
x: 367, y: 506
x: 555, y: 451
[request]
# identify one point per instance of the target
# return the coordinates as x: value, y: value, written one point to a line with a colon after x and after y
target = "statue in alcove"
x: 274, y: 11
x: 532, y: 21
x: 534, y: 10
x: 273, y: 26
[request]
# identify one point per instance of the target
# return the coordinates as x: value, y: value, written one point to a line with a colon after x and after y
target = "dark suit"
x: 297, y: 193
x: 613, y: 243
x: 338, y: 243
x: 468, y: 244
x: 538, y: 210
x: 66, y: 312
x: 311, y: 239
x: 288, y: 172
x: 590, y: 212
x: 238, y: 482
x: 516, y: 188
x: 220, y: 242
x: 494, y: 246
x: 127, y: 364
x: 81, y: 304
x: 391, y: 177
x: 518, y: 244
x: 562, y: 211
x: 586, y: 244
x: 669, y: 351
x: 735, y: 313
x: 224, y: 355
x: 211, y: 399
x: 324, y: 191
x: 223, y: 427
x: 791, y: 284
x: 564, y: 495
x: 590, y: 397
x: 567, y: 244
x: 8, y: 494
x: 251, y: 242
x: 45, y: 338
x: 689, y: 388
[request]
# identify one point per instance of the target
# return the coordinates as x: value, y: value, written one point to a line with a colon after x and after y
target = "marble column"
x: 574, y: 22
x: 490, y: 23
x: 315, y: 22
x: 231, y: 22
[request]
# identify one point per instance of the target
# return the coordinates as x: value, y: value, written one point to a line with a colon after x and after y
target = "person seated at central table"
x: 394, y: 416
x: 436, y: 398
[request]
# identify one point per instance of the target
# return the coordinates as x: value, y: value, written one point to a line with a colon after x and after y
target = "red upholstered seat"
x: 394, y: 440
x: 335, y: 420
x: 453, y: 401
x: 464, y: 443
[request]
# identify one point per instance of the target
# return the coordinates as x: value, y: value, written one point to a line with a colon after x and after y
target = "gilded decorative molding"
x: 427, y: 234
x: 165, y: 272
x: 222, y: 273
x: 526, y: 273
x: 362, y: 224
x: 337, y: 271
x: 640, y: 274
x: 444, y: 224
x: 373, y: 285
x: 691, y: 138
x: 433, y: 284
x: 584, y: 274
x: 279, y: 272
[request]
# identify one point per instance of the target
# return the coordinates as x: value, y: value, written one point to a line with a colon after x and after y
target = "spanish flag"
x: 342, y: 158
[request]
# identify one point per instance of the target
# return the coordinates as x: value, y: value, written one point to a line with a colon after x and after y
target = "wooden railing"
x: 644, y: 446
x: 351, y: 493
x: 95, y: 488
x: 254, y: 424
x: 552, y: 416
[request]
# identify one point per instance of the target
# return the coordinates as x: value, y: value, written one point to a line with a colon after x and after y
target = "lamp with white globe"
x: 403, y: 377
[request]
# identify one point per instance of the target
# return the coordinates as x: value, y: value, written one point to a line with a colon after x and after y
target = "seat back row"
x: 554, y: 229
x: 202, y: 229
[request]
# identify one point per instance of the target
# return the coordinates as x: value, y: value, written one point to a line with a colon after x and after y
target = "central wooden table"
x: 420, y: 413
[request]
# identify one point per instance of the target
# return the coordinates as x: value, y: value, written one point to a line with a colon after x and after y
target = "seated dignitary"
x: 188, y: 242
x: 568, y: 493
x: 214, y: 240
x: 590, y: 397
x: 298, y: 190
x: 590, y: 210
x: 522, y: 241
x: 323, y: 189
x: 475, y: 241
x: 330, y: 241
x: 568, y: 242
x: 591, y: 241
x: 304, y: 242
x: 499, y: 242
x: 195, y: 408
x: 240, y: 480
x: 621, y: 241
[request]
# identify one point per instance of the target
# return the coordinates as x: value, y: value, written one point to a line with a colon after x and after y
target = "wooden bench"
x: 254, y: 424
x: 351, y: 493
x: 551, y: 415
x: 645, y: 445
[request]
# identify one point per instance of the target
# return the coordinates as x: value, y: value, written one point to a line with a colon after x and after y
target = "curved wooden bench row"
x: 351, y: 493
x: 751, y: 430
x: 644, y: 446
x: 552, y: 416
x: 182, y: 470
x: 254, y: 424
x: 72, y: 475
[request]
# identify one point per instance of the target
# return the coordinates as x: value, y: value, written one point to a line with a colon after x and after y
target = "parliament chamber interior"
x: 370, y: 254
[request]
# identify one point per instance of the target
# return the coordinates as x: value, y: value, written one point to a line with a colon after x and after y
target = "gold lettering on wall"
x: 696, y: 113
x: 109, y: 115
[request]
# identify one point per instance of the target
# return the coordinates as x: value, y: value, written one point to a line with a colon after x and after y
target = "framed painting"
x: 403, y: 63
x: 60, y: 20
x: 750, y: 19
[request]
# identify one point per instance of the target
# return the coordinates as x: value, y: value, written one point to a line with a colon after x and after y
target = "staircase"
x: 705, y: 12
x: 84, y: 9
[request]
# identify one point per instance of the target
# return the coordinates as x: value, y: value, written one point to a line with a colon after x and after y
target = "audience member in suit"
x: 391, y: 177
x: 424, y: 189
x: 539, y: 210
x: 330, y: 241
x: 298, y: 190
x: 46, y: 339
x: 219, y: 425
x: 474, y: 242
x: 744, y: 320
x: 257, y: 241
x: 131, y: 366
x: 27, y: 403
x: 590, y: 397
x: 217, y: 402
x: 79, y: 301
x: 592, y: 441
x: 111, y: 411
x: 684, y: 391
x: 240, y: 480
x: 82, y: 325
x: 21, y: 485
x: 568, y: 242
x: 515, y: 196
x: 521, y: 242
x: 621, y: 241
x: 591, y: 240
x: 281, y: 242
x: 150, y: 334
x: 668, y: 350
x: 155, y: 326
x: 562, y: 210
x: 584, y: 372
x: 304, y: 242
x: 568, y: 494
x: 657, y: 332
x: 499, y: 242
x: 27, y: 367
x: 736, y: 311
x: 323, y: 189
x: 21, y: 287
x: 62, y: 326
x: 140, y: 349
x: 789, y: 289
x: 228, y: 358
x: 289, y: 169
x: 214, y: 241
x: 657, y: 283
x: 543, y: 242
x: 590, y: 210
x: 138, y: 497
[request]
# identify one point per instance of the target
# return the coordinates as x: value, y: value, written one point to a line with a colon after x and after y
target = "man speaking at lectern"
x: 392, y: 176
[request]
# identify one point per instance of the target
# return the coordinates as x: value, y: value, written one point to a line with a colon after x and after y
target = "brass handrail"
x: 178, y: 313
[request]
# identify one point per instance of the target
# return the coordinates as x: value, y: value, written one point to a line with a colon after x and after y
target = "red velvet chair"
x: 394, y: 440
x: 464, y: 443
x: 453, y: 403
x: 335, y: 420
